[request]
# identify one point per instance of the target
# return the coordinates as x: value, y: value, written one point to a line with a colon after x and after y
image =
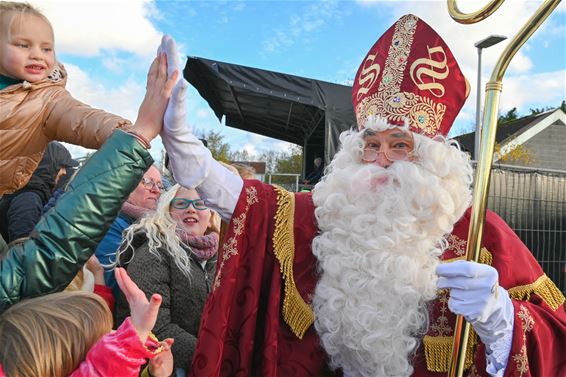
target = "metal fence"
x: 533, y: 203
x: 288, y: 181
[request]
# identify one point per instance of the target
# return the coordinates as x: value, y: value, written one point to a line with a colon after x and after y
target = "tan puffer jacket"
x: 31, y: 115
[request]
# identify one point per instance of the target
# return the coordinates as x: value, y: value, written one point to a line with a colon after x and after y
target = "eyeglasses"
x: 182, y: 203
x: 394, y: 154
x: 150, y: 183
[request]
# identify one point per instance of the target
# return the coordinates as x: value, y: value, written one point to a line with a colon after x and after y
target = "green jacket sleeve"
x: 67, y: 235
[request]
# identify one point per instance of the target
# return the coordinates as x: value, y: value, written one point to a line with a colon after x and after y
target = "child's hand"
x: 94, y: 266
x: 143, y: 312
x: 158, y: 91
x: 162, y: 364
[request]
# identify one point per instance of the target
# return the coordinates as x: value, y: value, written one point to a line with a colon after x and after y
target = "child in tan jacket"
x: 35, y: 107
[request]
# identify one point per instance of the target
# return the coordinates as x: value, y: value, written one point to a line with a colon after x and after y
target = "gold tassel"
x: 544, y: 287
x: 438, y: 350
x: 296, y: 312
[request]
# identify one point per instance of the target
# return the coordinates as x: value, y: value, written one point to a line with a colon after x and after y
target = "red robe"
x: 244, y: 333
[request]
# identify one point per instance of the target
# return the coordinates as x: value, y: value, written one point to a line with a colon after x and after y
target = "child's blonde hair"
x: 244, y: 170
x: 161, y: 231
x: 10, y: 9
x: 50, y: 335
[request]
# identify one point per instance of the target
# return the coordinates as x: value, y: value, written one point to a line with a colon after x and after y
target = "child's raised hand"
x: 143, y: 312
x: 162, y: 364
x: 158, y: 91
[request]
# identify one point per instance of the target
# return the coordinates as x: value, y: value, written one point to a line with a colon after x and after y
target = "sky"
x: 107, y: 47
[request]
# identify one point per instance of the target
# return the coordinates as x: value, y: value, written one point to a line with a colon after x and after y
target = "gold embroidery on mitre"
x: 230, y: 246
x: 438, y: 350
x: 391, y: 103
x: 296, y: 312
x: 544, y: 287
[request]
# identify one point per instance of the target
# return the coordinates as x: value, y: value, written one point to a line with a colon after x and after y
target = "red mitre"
x: 410, y: 75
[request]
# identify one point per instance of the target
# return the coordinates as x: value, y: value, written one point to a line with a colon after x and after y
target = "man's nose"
x: 382, y: 159
x: 155, y: 189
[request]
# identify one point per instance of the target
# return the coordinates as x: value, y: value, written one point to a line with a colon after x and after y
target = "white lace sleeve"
x: 497, y: 354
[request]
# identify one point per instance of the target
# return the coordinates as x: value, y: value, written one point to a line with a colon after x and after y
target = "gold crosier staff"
x: 487, y: 142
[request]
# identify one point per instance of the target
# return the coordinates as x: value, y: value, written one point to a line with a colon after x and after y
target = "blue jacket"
x: 106, y: 250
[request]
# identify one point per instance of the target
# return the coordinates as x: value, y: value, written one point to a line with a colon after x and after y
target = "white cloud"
x: 251, y: 149
x: 536, y: 90
x: 89, y: 27
x: 300, y: 26
x: 203, y: 113
x: 123, y: 100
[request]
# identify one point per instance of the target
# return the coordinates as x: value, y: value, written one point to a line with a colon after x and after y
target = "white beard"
x: 382, y: 232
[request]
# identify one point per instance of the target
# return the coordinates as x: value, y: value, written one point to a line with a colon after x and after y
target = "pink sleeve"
x: 118, y: 354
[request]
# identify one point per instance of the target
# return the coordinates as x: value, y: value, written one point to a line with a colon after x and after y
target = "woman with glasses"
x: 173, y: 252
x: 141, y: 201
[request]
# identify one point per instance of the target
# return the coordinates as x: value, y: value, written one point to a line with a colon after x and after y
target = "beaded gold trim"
x: 296, y: 312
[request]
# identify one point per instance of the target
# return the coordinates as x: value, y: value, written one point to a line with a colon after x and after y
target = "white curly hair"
x: 382, y: 232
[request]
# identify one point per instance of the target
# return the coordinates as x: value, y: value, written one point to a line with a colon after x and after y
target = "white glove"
x: 476, y: 295
x: 175, y: 114
x: 169, y: 47
x: 191, y: 162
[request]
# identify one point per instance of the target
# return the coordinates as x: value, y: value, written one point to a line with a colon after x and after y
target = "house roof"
x: 505, y: 132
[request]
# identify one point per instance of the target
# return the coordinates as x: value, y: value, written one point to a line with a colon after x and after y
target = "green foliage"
x: 510, y: 116
x: 517, y: 153
x: 219, y: 149
x: 536, y: 110
x: 241, y: 156
x: 290, y: 162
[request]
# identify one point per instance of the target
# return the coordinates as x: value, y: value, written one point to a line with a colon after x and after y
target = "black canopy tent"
x: 299, y: 110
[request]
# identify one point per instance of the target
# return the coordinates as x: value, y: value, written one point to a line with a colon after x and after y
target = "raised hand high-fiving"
x: 176, y: 113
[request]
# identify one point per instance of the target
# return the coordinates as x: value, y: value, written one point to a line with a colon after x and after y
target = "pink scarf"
x: 133, y: 211
x: 203, y: 247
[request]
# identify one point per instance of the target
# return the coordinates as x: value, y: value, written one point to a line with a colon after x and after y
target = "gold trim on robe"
x: 296, y: 312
